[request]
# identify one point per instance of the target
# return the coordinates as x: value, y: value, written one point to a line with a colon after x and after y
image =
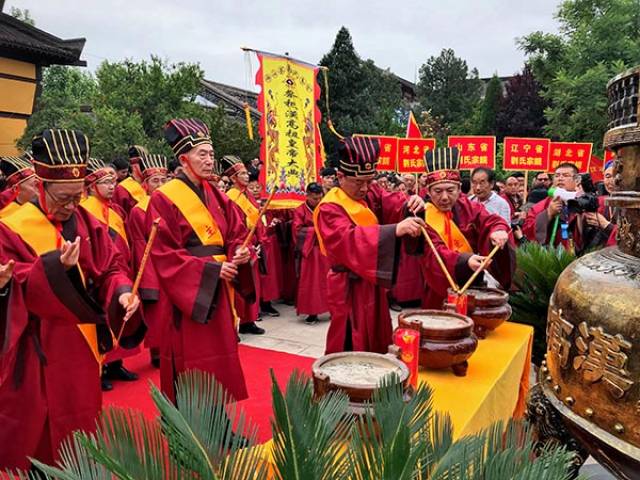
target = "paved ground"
x: 288, y: 333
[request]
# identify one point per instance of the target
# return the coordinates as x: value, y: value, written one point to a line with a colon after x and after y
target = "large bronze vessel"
x: 591, y: 374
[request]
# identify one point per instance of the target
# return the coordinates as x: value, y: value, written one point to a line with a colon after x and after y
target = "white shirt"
x: 495, y: 204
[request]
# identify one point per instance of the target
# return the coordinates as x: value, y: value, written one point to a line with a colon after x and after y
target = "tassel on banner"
x: 247, y: 114
x: 326, y: 97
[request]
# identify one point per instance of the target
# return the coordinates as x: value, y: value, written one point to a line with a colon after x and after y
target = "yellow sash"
x: 358, y: 212
x: 200, y: 219
x: 96, y: 208
x: 240, y: 198
x: 9, y: 209
x: 438, y: 220
x: 134, y: 188
x: 33, y: 227
x: 144, y: 203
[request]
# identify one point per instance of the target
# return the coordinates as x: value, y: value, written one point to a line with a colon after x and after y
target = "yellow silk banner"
x: 291, y: 144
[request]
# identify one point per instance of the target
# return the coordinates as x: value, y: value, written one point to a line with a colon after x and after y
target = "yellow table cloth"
x: 496, y: 384
x: 495, y: 387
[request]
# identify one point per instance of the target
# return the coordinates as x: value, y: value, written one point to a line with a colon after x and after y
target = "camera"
x: 584, y: 203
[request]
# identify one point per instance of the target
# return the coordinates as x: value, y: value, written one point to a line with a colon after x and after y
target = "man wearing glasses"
x: 100, y: 185
x: 67, y: 295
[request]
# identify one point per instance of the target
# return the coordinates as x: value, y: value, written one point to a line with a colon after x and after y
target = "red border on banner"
x: 526, y: 166
x: 465, y: 164
x: 259, y: 80
x: 586, y: 155
x: 393, y: 157
x: 414, y: 159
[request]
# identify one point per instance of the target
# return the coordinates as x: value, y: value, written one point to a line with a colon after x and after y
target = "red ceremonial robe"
x: 287, y: 272
x: 49, y: 372
x: 313, y: 266
x: 363, y: 260
x: 409, y: 284
x: 155, y: 304
x: 476, y: 224
x: 127, y: 193
x: 112, y: 217
x: 270, y: 278
x: 201, y: 332
x: 248, y: 209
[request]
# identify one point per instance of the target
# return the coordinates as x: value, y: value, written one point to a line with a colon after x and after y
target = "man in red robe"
x: 199, y: 260
x: 129, y: 191
x: 237, y: 173
x: 270, y: 287
x: 67, y: 288
x: 22, y: 183
x: 155, y: 306
x: 312, y: 266
x: 100, y: 183
x: 358, y: 226
x: 462, y: 231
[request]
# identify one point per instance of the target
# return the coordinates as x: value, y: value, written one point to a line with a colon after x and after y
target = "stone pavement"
x: 288, y: 333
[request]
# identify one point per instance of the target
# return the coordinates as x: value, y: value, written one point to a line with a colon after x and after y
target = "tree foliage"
x: 490, y: 107
x: 597, y: 40
x: 521, y: 112
x: 449, y: 90
x: 362, y: 97
x: 127, y: 103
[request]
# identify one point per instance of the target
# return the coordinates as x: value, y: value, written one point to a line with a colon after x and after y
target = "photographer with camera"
x: 569, y: 216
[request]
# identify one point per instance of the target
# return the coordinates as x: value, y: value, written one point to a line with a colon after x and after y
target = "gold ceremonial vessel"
x: 591, y: 374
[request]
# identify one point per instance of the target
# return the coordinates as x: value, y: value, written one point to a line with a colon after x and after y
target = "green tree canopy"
x: 597, y: 40
x: 521, y: 112
x: 363, y: 98
x: 449, y: 90
x: 128, y: 103
x: 490, y: 107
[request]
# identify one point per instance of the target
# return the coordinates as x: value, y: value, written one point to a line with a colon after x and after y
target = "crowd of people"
x: 82, y: 285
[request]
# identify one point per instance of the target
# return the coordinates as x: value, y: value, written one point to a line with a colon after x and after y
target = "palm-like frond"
x: 76, y: 463
x: 538, y: 270
x: 392, y: 436
x: 131, y: 446
x: 199, y: 431
x: 308, y: 436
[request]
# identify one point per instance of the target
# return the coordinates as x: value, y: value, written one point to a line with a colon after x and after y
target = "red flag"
x: 596, y: 166
x: 413, y: 130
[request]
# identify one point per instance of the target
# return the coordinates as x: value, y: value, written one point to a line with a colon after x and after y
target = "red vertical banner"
x: 475, y: 151
x: 596, y: 167
x: 576, y: 153
x: 388, y: 152
x: 526, y: 153
x: 411, y: 152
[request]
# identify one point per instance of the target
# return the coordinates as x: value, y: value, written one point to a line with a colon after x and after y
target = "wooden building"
x: 24, y: 51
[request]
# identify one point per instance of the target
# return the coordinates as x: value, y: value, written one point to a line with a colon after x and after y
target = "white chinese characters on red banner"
x: 475, y: 151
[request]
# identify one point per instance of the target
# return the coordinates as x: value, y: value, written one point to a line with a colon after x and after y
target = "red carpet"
x: 256, y: 363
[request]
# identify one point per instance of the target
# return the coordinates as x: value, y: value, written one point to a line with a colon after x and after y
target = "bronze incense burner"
x: 591, y: 375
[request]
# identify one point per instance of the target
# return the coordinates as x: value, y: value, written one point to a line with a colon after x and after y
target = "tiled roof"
x: 22, y: 41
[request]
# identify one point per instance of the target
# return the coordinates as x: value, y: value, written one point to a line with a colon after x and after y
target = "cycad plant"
x: 538, y: 270
x: 395, y: 439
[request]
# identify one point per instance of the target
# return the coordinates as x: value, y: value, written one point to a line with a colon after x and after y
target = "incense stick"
x: 143, y: 263
x: 480, y: 269
x: 262, y: 211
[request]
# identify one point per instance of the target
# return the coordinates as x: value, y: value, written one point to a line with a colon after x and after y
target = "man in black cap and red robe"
x: 155, y: 306
x: 462, y: 231
x: 358, y: 225
x: 66, y: 290
x: 22, y: 183
x: 129, y: 191
x: 199, y: 260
